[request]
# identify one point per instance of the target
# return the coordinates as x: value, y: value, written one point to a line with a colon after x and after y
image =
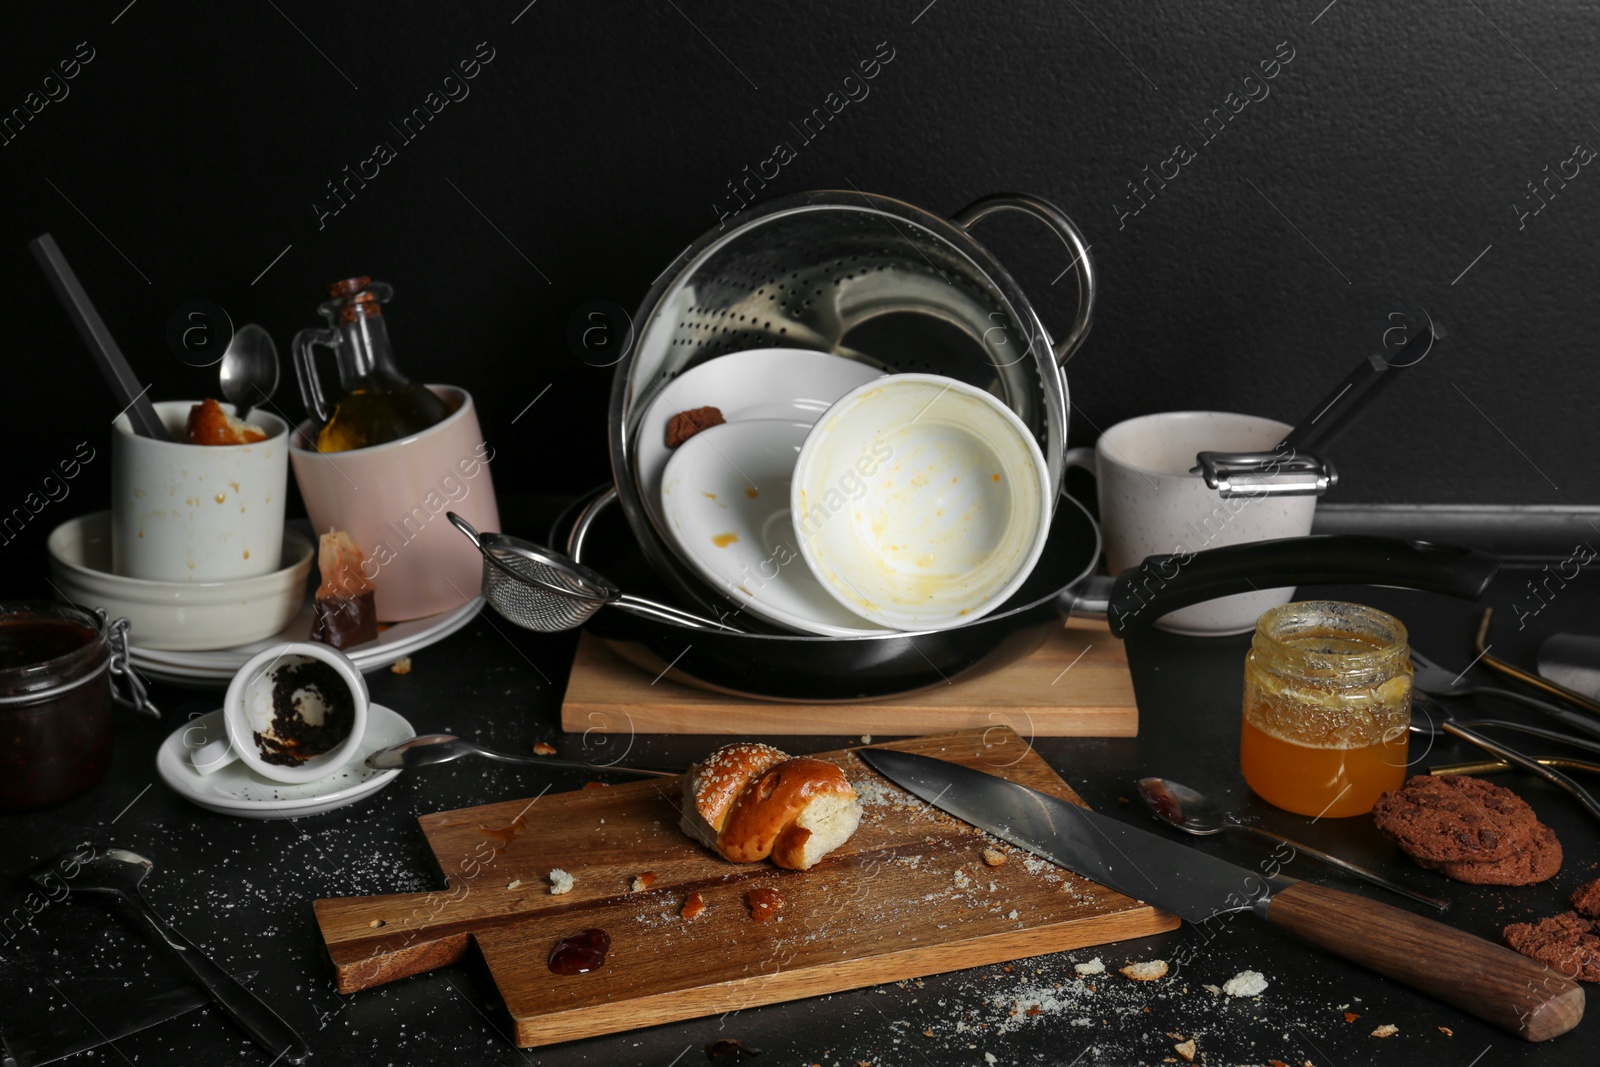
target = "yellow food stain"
x: 996, y: 477
x: 723, y: 540
x: 709, y: 496
x: 141, y: 535
x: 138, y: 492
x: 751, y: 491
x: 235, y: 486
x: 190, y: 564
x: 247, y: 553
x: 221, y: 498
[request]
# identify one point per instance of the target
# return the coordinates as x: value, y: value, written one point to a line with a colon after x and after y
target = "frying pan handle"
x: 1161, y: 584
x: 1064, y: 228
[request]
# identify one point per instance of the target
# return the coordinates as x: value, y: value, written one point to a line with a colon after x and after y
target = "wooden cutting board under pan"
x: 908, y: 895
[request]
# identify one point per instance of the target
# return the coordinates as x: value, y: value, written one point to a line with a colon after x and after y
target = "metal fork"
x: 1431, y: 679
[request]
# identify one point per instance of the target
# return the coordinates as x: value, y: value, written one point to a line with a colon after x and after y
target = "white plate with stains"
x: 790, y: 384
x: 237, y: 790
x: 725, y: 495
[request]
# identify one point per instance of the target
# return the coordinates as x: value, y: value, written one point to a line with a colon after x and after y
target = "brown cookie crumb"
x: 1386, y: 1030
x: 1567, y: 942
x: 1585, y: 899
x: 1185, y: 1049
x: 1148, y: 971
x: 543, y: 748
x: 685, y: 424
x: 644, y: 881
x: 993, y: 857
x: 693, y: 906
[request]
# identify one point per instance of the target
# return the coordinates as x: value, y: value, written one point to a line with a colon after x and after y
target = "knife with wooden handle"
x: 1479, y: 977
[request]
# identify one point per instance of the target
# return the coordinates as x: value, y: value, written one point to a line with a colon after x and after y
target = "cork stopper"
x: 360, y: 301
x: 347, y: 286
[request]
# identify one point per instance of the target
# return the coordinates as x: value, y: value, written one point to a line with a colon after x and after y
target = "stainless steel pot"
x: 861, y: 276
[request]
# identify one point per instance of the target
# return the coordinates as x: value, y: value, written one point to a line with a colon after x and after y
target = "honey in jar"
x: 1327, y: 706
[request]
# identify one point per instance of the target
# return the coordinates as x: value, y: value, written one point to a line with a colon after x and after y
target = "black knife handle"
x: 1161, y: 584
x: 1484, y: 979
x: 246, y: 1009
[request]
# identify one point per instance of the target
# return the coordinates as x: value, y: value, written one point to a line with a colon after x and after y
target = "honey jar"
x: 1327, y: 706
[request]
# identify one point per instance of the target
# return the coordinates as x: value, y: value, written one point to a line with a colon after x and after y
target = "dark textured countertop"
x: 243, y: 891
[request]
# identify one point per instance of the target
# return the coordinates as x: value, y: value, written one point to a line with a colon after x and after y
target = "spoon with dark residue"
x: 1190, y: 811
x: 428, y: 749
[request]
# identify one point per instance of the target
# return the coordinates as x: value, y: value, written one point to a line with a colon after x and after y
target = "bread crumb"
x: 1351, y: 1016
x: 644, y: 881
x: 401, y: 666
x: 1185, y: 1049
x: 693, y: 906
x: 1094, y: 966
x: 1147, y: 971
x: 1245, y: 984
x: 543, y: 748
x: 1446, y: 1031
x: 1386, y: 1030
x: 560, y: 882
x: 993, y: 857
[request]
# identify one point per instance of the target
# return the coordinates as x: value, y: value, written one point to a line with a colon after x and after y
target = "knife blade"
x: 52, y: 1035
x: 1479, y: 977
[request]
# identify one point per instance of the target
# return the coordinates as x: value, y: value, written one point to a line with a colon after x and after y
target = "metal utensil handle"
x: 650, y: 609
x: 465, y: 527
x: 1481, y: 642
x: 127, y: 688
x: 305, y: 367
x: 1512, y: 756
x: 586, y: 519
x: 1064, y: 228
x: 575, y: 765
x: 1343, y: 865
x: 1492, y: 766
x: 102, y: 346
x: 244, y: 1007
x: 1573, y: 719
x: 1335, y: 412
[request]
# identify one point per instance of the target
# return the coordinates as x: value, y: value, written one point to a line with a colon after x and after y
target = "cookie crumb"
x: 993, y: 857
x: 1245, y: 984
x: 644, y: 881
x: 1351, y: 1016
x: 685, y: 424
x: 1094, y: 966
x: 1386, y: 1030
x: 561, y: 882
x: 1185, y: 1049
x: 401, y: 666
x: 693, y: 906
x: 543, y: 748
x: 513, y: 883
x: 1446, y: 1031
x: 1147, y: 971
x: 1585, y: 899
x: 866, y: 739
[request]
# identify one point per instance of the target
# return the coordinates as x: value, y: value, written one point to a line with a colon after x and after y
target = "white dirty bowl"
x: 920, y: 502
x: 177, y: 615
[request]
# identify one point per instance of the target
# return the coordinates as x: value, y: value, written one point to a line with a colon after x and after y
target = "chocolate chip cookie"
x: 1536, y: 856
x: 1585, y: 899
x: 1452, y: 819
x: 1568, y: 942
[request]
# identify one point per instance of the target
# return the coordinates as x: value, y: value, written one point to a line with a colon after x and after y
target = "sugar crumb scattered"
x: 1094, y: 966
x: 1146, y: 971
x: 560, y: 882
x: 1245, y: 984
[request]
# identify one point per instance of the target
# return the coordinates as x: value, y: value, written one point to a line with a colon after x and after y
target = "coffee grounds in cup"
x: 292, y: 739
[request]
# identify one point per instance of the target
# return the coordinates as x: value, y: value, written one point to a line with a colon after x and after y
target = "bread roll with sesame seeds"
x: 752, y: 802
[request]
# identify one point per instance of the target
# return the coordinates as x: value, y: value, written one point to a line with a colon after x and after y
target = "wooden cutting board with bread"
x: 911, y: 892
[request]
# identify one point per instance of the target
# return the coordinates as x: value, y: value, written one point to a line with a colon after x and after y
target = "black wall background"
x: 1392, y: 155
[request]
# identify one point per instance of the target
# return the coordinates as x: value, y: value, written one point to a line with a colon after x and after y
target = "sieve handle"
x: 1064, y: 228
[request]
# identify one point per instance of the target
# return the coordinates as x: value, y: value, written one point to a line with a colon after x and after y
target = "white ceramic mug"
x: 392, y: 499
x: 247, y: 710
x: 1151, y: 505
x: 197, y: 513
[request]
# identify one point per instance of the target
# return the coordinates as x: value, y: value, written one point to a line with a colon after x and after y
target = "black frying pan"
x: 812, y: 670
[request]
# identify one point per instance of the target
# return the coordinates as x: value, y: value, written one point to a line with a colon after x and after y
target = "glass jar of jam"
x: 1327, y: 706
x: 55, y: 704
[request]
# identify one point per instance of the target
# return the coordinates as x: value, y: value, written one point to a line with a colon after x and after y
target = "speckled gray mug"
x: 1151, y: 505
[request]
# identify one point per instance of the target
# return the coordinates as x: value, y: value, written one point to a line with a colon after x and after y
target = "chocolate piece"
x: 342, y: 621
x: 685, y: 424
x: 293, y: 739
x: 1568, y: 942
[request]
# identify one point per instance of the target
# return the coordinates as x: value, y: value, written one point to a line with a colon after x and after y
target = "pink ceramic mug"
x: 392, y: 499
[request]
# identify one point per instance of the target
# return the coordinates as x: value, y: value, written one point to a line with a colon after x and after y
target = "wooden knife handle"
x: 1481, y: 978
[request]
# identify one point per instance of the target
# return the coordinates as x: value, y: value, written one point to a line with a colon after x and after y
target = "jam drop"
x: 581, y: 953
x: 764, y: 903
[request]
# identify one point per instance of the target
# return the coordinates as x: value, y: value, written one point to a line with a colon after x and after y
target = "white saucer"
x: 763, y: 383
x: 236, y: 790
x: 217, y: 666
x: 726, y: 497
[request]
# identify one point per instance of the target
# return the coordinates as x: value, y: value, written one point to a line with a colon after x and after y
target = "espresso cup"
x: 1151, y: 505
x: 197, y: 513
x: 281, y: 677
x: 392, y: 499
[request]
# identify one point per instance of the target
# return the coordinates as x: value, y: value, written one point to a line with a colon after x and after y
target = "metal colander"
x: 864, y: 277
